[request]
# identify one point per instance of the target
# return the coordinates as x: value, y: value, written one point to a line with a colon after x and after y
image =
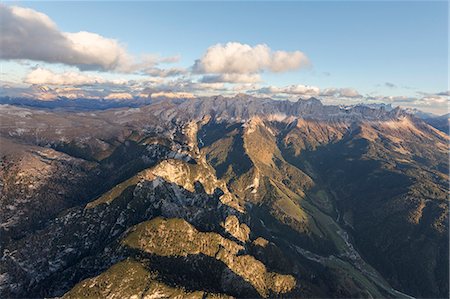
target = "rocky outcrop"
x: 131, y: 279
x: 176, y: 237
x: 238, y: 230
x: 78, y: 231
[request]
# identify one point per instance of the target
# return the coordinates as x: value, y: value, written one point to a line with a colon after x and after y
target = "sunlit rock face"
x: 219, y: 197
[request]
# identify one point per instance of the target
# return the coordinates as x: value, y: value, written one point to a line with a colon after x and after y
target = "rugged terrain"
x: 219, y: 197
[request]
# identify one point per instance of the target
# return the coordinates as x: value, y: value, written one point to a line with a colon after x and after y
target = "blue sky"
x: 359, y: 45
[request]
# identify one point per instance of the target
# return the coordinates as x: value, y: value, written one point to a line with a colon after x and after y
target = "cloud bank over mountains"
x: 43, y: 76
x: 86, y: 64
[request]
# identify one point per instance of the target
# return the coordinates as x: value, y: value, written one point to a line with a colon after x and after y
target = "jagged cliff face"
x: 222, y: 197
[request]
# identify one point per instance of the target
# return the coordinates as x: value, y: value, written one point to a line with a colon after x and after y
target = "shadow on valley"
x: 229, y: 152
x: 375, y: 196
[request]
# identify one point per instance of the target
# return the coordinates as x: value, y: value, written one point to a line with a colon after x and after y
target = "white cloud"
x: 186, y: 85
x: 173, y: 95
x: 430, y: 102
x: 298, y: 89
x: 72, y: 93
x: 119, y: 96
x: 47, y: 93
x: 245, y: 87
x: 434, y: 100
x: 232, y: 78
x: 237, y: 58
x: 29, y: 34
x: 340, y: 92
x: 349, y: 92
x: 43, y: 76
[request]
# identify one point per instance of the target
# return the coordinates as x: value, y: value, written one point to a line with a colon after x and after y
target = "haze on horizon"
x: 341, y: 52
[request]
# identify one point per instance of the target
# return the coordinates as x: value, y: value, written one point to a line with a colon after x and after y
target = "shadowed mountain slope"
x: 217, y: 197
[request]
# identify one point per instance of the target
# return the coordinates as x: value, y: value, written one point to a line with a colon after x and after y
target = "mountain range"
x: 221, y: 197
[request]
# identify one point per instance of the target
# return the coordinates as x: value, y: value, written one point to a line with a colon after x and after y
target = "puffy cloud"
x: 173, y: 95
x: 245, y: 87
x: 119, y: 96
x: 349, y: 92
x: 48, y: 77
x: 340, y: 92
x: 184, y: 85
x: 232, y: 78
x: 217, y: 87
x: 237, y: 58
x: 47, y: 93
x: 298, y: 89
x: 429, y: 102
x: 29, y: 34
x: 436, y: 100
x: 187, y: 85
x: 73, y: 93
